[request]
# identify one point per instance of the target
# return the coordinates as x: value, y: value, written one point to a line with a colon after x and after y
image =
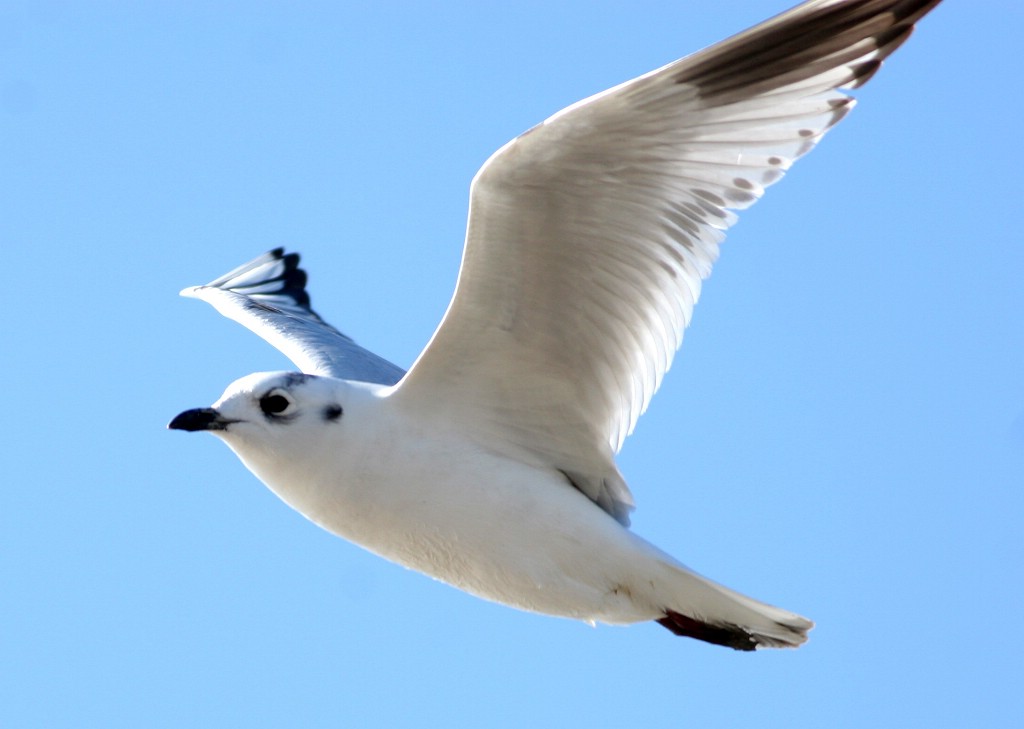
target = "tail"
x: 699, y: 608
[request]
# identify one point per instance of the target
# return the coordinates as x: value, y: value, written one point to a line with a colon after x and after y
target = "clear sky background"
x: 842, y: 433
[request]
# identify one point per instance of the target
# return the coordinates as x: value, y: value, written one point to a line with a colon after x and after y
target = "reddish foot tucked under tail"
x: 730, y: 636
x: 733, y: 636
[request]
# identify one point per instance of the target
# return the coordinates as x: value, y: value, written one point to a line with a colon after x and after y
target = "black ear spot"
x: 332, y: 412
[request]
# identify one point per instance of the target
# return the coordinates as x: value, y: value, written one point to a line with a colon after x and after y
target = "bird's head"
x: 269, y: 412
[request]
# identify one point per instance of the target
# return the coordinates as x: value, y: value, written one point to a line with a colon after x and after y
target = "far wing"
x: 268, y: 296
x: 590, y: 235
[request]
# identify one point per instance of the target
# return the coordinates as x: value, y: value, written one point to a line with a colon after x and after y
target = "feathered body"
x: 490, y: 463
x: 426, y: 493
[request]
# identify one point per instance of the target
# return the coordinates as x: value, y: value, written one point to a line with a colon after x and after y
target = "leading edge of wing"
x: 268, y: 296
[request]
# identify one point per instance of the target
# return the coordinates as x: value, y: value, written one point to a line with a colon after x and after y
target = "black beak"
x: 199, y: 419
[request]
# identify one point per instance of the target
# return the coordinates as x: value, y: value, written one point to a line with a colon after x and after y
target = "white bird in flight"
x: 490, y: 463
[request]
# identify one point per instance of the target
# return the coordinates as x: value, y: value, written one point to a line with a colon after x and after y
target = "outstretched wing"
x: 268, y: 296
x: 589, y: 236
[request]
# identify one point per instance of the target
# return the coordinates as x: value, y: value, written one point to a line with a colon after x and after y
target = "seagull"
x: 490, y: 464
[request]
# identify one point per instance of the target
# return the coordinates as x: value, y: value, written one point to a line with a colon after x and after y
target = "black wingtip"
x: 273, y: 278
x: 802, y: 43
x: 293, y: 279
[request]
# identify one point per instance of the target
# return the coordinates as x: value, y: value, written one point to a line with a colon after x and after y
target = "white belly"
x: 492, y: 526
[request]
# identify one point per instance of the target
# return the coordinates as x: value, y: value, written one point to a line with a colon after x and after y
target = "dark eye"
x: 274, y: 404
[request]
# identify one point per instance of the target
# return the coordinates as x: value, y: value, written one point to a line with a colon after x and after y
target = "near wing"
x: 590, y: 234
x: 268, y: 296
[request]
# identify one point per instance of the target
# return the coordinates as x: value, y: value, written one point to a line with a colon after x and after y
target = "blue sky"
x: 842, y: 433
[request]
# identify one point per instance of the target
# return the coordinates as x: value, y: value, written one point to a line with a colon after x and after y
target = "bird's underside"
x: 588, y: 241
